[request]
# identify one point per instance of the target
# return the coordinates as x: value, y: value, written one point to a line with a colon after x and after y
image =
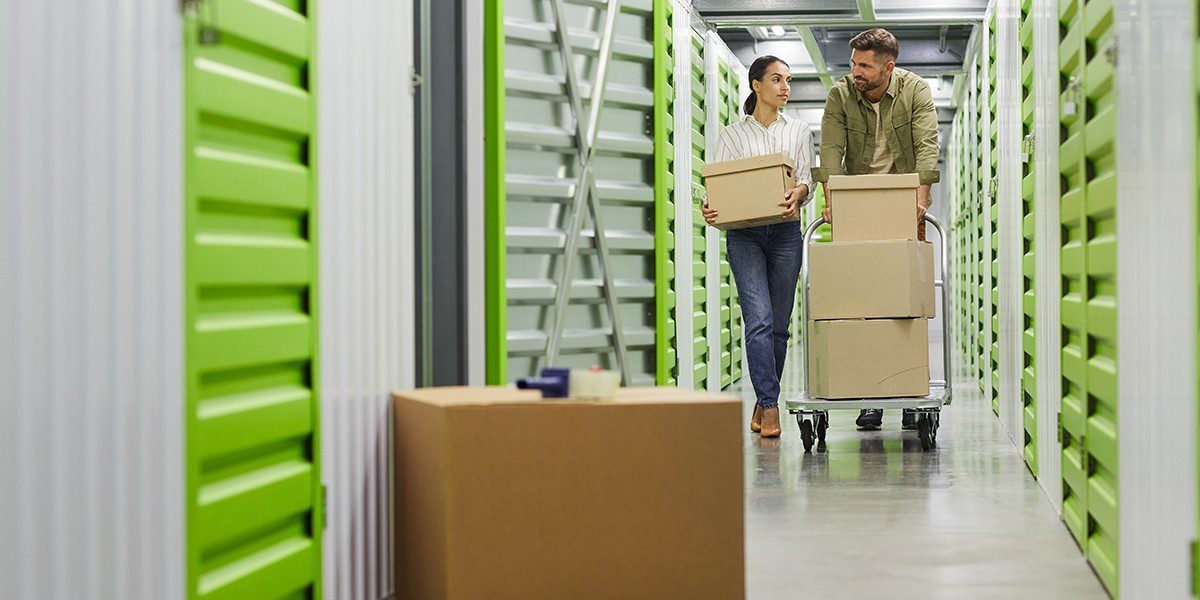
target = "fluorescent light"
x: 777, y: 30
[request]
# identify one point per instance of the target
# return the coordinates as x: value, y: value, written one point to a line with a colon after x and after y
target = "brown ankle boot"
x: 756, y: 419
x: 770, y: 423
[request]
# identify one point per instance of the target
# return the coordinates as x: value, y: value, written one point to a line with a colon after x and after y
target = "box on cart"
x: 868, y: 358
x: 501, y: 494
x: 874, y: 207
x: 871, y: 280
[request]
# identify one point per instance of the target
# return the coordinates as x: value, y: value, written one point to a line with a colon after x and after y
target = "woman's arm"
x: 804, y: 155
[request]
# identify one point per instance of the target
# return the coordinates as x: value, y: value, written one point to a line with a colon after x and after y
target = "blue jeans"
x: 766, y: 267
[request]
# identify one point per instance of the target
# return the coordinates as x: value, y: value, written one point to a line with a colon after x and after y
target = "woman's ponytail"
x: 758, y: 70
x: 751, y: 102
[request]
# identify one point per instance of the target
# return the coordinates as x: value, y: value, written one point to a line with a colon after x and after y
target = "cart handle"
x: 945, y: 293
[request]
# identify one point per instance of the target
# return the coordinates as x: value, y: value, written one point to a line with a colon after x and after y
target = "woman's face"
x: 775, y: 87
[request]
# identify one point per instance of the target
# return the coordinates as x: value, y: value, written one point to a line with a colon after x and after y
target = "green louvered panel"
x: 699, y: 241
x: 1072, y: 177
x: 251, y: 332
x: 665, y: 85
x: 1028, y: 236
x: 735, y: 318
x: 1100, y: 201
x: 727, y: 97
x: 632, y: 167
x: 993, y: 213
x: 981, y: 286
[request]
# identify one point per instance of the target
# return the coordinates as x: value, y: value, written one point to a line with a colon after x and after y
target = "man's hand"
x: 923, y: 201
x: 710, y: 215
x: 791, y: 200
x: 827, y: 214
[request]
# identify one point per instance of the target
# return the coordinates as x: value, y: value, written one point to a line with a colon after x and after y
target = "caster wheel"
x: 822, y: 427
x: 806, y: 434
x: 925, y: 432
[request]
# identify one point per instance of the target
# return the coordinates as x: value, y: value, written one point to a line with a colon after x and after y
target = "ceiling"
x: 813, y: 37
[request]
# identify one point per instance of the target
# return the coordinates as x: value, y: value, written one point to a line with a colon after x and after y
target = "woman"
x: 766, y: 260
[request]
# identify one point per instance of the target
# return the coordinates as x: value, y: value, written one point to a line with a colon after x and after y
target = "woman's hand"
x: 710, y: 215
x: 792, y: 199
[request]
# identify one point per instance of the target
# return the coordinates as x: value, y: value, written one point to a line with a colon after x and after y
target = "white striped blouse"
x: 791, y: 136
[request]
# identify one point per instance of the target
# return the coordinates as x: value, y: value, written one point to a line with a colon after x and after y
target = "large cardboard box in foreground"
x: 868, y: 358
x: 501, y: 494
x: 871, y: 280
x: 747, y: 192
x: 874, y: 207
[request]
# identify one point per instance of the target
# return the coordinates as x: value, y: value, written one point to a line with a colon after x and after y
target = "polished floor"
x: 875, y: 517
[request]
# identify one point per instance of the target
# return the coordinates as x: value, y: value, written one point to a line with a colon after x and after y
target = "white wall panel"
x: 1008, y: 189
x: 1049, y: 283
x: 365, y: 116
x: 1156, y: 297
x: 91, y: 307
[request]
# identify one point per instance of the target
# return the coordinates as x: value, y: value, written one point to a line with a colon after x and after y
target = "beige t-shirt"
x: 882, y: 163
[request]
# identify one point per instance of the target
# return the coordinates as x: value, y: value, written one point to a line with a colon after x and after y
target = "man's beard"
x: 867, y: 86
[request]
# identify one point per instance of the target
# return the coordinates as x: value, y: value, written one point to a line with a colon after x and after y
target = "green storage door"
x: 978, y: 189
x: 665, y: 84
x: 253, y: 486
x: 532, y: 169
x: 1100, y: 199
x: 727, y: 95
x: 1088, y: 215
x: 993, y: 211
x: 1028, y: 235
x: 699, y: 258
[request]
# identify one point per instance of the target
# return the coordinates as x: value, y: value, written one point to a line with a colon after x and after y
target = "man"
x: 880, y: 119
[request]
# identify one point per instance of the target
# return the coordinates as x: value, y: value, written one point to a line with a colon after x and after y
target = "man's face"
x: 870, y: 70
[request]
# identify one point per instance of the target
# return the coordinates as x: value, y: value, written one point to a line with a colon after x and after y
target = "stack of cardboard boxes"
x: 871, y: 291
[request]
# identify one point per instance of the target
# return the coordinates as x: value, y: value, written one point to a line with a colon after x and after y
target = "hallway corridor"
x: 874, y: 517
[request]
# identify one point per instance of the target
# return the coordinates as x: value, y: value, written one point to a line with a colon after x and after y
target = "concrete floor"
x: 875, y: 517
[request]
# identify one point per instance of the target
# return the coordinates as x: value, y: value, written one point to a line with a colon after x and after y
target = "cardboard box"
x: 874, y: 207
x: 868, y: 358
x: 500, y: 494
x: 871, y: 280
x: 747, y: 192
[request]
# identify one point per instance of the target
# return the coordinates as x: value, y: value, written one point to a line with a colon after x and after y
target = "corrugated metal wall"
x: 91, y: 340
x: 364, y: 56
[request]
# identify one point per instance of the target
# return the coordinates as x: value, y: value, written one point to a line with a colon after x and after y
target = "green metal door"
x: 993, y: 286
x: 1100, y: 199
x: 978, y: 190
x: 1028, y: 235
x: 1088, y: 215
x: 665, y: 84
x: 253, y: 487
x: 735, y: 307
x: 698, y: 87
x: 730, y: 316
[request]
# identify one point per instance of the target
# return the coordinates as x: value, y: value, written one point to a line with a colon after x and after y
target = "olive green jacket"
x: 848, y: 129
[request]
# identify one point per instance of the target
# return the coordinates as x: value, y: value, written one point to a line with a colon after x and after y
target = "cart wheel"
x: 822, y: 427
x: 925, y: 432
x: 806, y: 434
x: 934, y: 430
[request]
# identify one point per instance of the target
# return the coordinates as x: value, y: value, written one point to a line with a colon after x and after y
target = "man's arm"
x: 925, y: 139
x: 833, y: 138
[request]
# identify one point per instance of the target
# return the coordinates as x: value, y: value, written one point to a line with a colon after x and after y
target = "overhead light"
x: 777, y: 31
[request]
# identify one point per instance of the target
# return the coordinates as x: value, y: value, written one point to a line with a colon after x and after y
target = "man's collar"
x: 892, y: 89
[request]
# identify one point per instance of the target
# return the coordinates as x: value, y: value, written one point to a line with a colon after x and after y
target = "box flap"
x: 747, y: 164
x: 873, y: 182
x: 464, y: 396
